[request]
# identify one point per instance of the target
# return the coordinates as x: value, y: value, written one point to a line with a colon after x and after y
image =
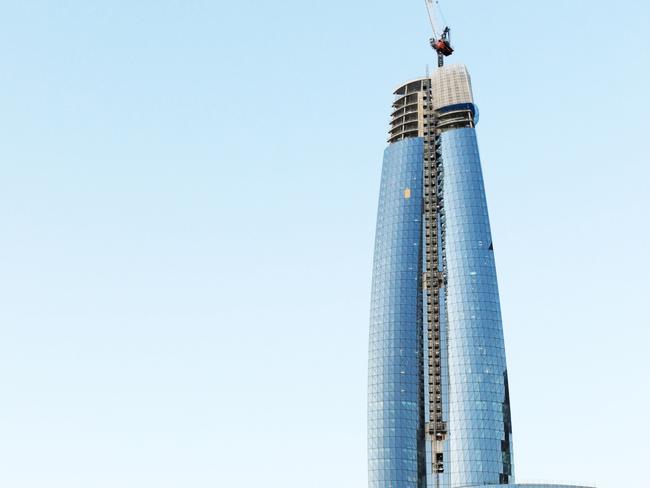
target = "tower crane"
x: 441, y: 44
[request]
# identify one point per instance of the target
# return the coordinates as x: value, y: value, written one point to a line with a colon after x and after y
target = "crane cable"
x: 442, y: 14
x: 432, y: 15
x: 429, y: 5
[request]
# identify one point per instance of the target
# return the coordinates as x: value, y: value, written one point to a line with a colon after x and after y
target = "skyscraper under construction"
x: 438, y: 399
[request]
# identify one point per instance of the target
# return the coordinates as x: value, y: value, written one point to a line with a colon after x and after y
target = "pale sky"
x: 188, y: 192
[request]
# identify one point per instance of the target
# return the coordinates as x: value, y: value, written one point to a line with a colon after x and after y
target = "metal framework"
x: 434, y: 281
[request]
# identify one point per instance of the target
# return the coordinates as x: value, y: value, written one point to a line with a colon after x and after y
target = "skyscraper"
x: 438, y: 399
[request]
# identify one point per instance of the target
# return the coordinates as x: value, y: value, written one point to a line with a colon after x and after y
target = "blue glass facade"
x: 480, y: 442
x: 438, y: 397
x: 472, y: 378
x: 395, y: 396
x: 528, y: 485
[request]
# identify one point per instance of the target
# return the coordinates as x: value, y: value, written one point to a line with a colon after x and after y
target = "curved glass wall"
x: 480, y: 444
x: 438, y: 399
x: 527, y: 485
x: 395, y: 395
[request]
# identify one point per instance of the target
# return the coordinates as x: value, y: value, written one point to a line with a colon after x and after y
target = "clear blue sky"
x: 187, y: 198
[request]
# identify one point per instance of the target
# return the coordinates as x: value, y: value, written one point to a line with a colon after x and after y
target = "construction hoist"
x: 434, y: 279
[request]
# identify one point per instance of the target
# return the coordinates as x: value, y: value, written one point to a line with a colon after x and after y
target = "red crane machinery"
x: 441, y: 44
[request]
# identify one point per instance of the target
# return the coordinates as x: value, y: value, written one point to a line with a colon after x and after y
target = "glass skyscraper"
x: 438, y: 400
